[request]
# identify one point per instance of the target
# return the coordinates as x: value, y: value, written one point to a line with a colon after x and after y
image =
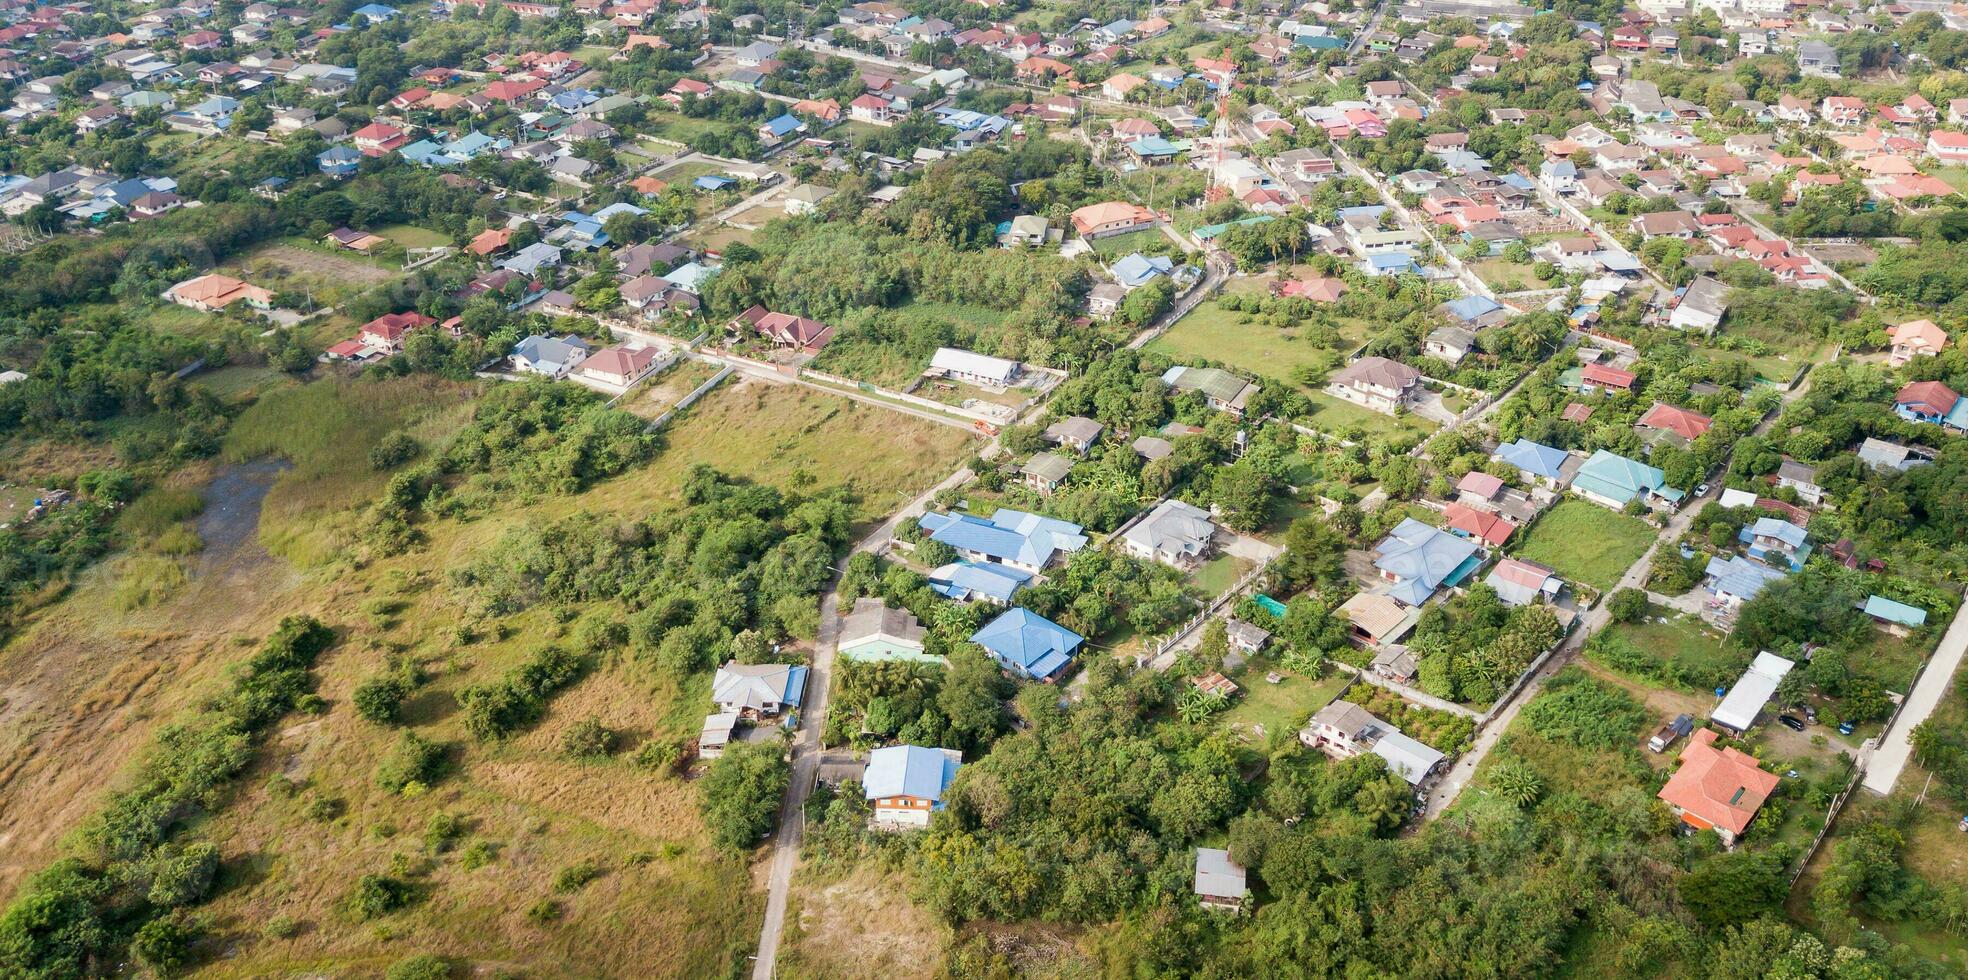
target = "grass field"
x: 326, y: 430
x: 1683, y: 641
x: 1336, y: 416
x: 777, y: 433
x: 1265, y: 708
x: 93, y: 677
x: 1222, y: 335
x: 1586, y: 543
x: 1116, y: 246
x: 411, y: 236
x: 1217, y: 575
x: 296, y: 266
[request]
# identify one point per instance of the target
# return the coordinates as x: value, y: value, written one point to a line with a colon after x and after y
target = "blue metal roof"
x: 909, y: 770
x: 1028, y: 643
x: 1740, y: 577
x: 1471, y: 307
x: 784, y: 124
x: 1534, y: 457
x: 1422, y: 559
x: 962, y: 579
x: 1009, y: 535
x: 1136, y: 269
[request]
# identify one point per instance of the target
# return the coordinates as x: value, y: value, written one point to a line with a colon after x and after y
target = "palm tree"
x: 1196, y: 705
x: 1517, y: 782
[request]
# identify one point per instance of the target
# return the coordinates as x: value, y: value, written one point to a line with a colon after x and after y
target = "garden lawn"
x: 1336, y: 416
x: 1586, y: 543
x: 1115, y: 246
x: 1263, y: 708
x: 1209, y: 331
x: 411, y: 236
x: 1217, y: 575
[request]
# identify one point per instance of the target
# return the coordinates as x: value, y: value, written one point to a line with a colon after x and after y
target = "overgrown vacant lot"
x: 1587, y: 543
x: 310, y: 816
x: 783, y: 434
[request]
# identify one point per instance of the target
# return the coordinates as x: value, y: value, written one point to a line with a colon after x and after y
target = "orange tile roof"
x: 1720, y: 788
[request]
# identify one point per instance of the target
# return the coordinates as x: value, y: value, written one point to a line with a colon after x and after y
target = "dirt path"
x: 81, y: 686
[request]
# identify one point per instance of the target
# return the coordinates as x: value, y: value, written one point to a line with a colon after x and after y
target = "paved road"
x: 806, y: 743
x: 1897, y: 748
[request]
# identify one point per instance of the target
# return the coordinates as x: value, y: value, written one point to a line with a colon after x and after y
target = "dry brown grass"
x: 861, y: 925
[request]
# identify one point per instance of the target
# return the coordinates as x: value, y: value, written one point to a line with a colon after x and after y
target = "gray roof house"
x: 1220, y: 882
x: 1046, y: 471
x: 531, y: 259
x: 1174, y: 533
x: 1075, y: 432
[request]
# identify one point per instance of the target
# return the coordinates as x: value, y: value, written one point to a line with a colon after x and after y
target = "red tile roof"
x: 1490, y: 528
x: 1667, y: 418
x: 1720, y: 788
x: 1607, y: 377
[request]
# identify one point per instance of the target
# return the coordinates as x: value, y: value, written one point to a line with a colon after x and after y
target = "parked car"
x: 1791, y: 722
x: 1701, y: 491
x: 1846, y: 727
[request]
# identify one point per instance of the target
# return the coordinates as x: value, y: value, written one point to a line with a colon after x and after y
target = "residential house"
x: 756, y: 691
x: 387, y: 332
x: 1028, y: 644
x: 1700, y: 306
x: 1612, y: 480
x: 1538, y: 464
x: 970, y: 581
x: 1817, y: 59
x: 1112, y: 218
x: 1717, y: 789
x: 1735, y: 580
x: 1610, y: 378
x: 1375, y: 382
x: 784, y: 330
x: 1882, y: 455
x: 1074, y: 432
x: 619, y: 366
x: 1374, y: 618
x: 1396, y: 663
x: 213, y: 293
x: 1522, y: 583
x: 553, y: 357
x: 876, y: 632
x: 1488, y: 527
x: 1221, y: 390
x: 1175, y: 533
x: 1676, y: 425
x: 1045, y: 472
x: 1343, y: 730
x: 1931, y: 402
x: 530, y: 260
x: 1896, y: 618
x: 1915, y: 338
x: 1777, y: 543
x: 1220, y: 882
x: 1667, y: 224
x: 1738, y: 710
x: 1419, y: 560
x: 1801, y: 478
x: 1027, y: 542
x: 905, y: 784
